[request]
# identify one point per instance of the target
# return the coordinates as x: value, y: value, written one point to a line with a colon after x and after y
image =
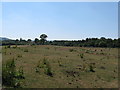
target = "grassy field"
x: 65, y: 67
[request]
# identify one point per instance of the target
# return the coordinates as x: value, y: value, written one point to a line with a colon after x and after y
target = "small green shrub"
x: 102, y: 53
x: 20, y: 74
x: 19, y: 55
x: 15, y: 47
x: 59, y: 63
x: 46, y: 66
x: 48, y: 70
x: 47, y: 48
x: 71, y: 50
x: 26, y: 50
x: 45, y: 61
x: 8, y: 46
x: 55, y: 48
x: 10, y: 76
x: 81, y: 55
x: 5, y: 52
x: 87, y: 51
x: 92, y: 67
x: 5, y: 47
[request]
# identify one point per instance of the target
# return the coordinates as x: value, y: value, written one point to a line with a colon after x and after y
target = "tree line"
x: 88, y: 42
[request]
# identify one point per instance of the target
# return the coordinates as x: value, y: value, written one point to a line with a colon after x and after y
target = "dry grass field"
x: 47, y: 66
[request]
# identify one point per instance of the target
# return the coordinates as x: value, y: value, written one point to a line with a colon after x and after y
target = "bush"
x: 71, y: 50
x: 48, y: 70
x: 10, y: 76
x: 19, y: 55
x: 46, y: 66
x: 92, y: 67
x: 81, y: 55
x: 47, y: 48
x: 59, y: 63
x: 26, y: 50
x: 15, y: 46
x: 8, y: 46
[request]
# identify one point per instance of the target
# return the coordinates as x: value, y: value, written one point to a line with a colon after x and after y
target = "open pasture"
x: 47, y: 66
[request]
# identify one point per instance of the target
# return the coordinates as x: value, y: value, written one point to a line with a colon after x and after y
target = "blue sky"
x: 60, y: 20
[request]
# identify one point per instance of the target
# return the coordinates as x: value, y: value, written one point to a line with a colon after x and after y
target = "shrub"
x: 59, y: 63
x: 26, y: 50
x: 92, y: 67
x: 87, y: 51
x: 46, y: 66
x: 5, y: 52
x: 5, y: 47
x: 15, y: 46
x: 71, y: 50
x: 81, y: 55
x: 8, y: 46
x: 47, y: 48
x: 48, y: 70
x: 45, y: 61
x: 10, y: 76
x: 19, y: 55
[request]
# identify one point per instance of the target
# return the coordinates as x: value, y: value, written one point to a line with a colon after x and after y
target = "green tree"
x: 29, y: 41
x: 36, y: 41
x: 43, y: 38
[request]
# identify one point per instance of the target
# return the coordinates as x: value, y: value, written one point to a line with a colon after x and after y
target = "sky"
x: 59, y: 20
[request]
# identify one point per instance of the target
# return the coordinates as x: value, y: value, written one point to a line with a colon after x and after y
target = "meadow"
x: 49, y: 66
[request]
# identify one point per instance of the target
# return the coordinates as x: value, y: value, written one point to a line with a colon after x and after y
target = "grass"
x: 47, y: 66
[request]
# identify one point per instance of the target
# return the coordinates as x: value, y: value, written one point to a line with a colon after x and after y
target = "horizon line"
x: 59, y: 39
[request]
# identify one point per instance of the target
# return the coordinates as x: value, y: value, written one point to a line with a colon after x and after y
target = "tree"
x: 16, y: 40
x: 20, y: 39
x: 29, y: 40
x: 102, y: 44
x: 43, y: 38
x: 36, y: 41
